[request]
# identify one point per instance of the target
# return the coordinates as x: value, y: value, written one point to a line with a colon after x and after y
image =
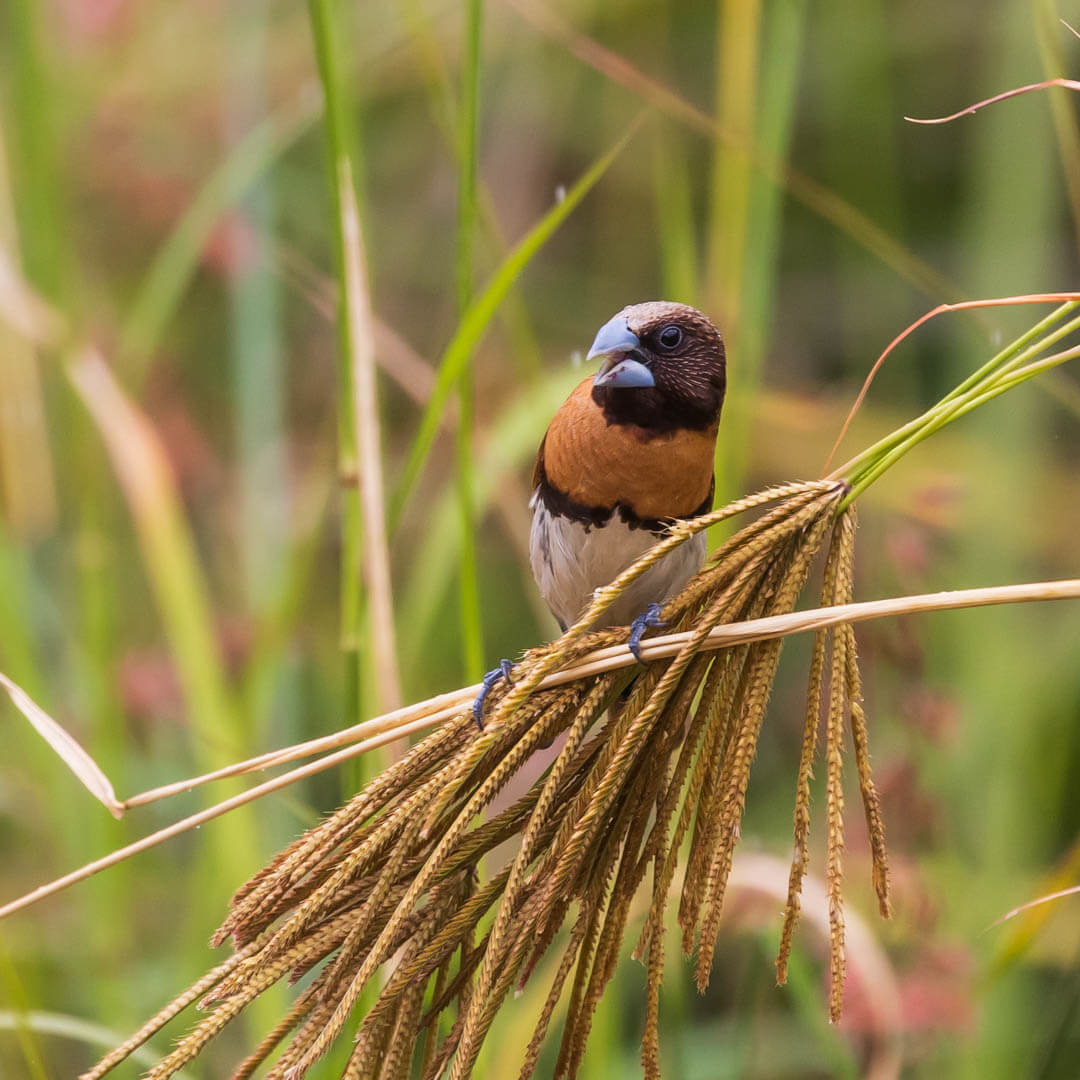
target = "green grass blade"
x: 816, y: 197
x: 1024, y: 348
x: 738, y: 24
x: 476, y: 320
x: 180, y: 590
x: 514, y: 314
x: 956, y: 405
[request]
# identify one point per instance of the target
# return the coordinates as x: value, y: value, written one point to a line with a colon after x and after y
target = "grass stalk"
x: 1011, y: 367
x: 25, y: 1033
x: 779, y: 62
x: 36, y: 151
x: 738, y: 55
x: 75, y: 1029
x: 399, y: 885
x: 472, y: 635
x: 168, y: 550
x: 676, y: 230
x: 1025, y: 340
x: 738, y: 26
x: 180, y: 590
x: 365, y: 554
x: 166, y: 544
x: 425, y: 44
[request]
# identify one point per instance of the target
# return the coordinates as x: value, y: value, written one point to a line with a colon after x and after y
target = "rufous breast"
x: 599, y: 464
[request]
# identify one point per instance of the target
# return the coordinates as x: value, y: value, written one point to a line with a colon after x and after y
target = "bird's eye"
x: 670, y: 337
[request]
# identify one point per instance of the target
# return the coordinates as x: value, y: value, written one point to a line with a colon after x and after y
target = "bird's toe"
x: 503, y: 671
x: 648, y: 619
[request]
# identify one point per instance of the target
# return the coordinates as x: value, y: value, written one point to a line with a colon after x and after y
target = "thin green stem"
x: 939, y: 417
x: 1016, y: 377
x: 364, y: 553
x: 444, y: 109
x: 1007, y: 355
x: 322, y: 28
x: 738, y: 55
x: 472, y: 637
x: 1008, y: 359
x: 467, y: 152
x: 676, y: 233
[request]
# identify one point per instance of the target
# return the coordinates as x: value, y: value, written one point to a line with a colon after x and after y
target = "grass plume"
x: 388, y: 895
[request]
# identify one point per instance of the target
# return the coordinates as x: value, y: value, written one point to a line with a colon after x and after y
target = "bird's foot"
x: 649, y: 618
x: 490, y: 679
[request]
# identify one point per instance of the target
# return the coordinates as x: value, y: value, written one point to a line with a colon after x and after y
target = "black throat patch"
x: 651, y: 410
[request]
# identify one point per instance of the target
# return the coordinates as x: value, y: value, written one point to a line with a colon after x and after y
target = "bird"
x: 628, y: 453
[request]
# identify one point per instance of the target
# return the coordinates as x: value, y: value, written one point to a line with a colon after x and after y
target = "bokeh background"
x: 163, y: 183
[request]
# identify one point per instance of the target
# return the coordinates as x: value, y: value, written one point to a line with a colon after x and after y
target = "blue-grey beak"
x: 621, y: 350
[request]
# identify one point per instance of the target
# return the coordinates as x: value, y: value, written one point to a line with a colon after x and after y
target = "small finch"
x: 629, y: 451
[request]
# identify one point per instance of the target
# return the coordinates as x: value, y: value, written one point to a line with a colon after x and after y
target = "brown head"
x: 663, y: 368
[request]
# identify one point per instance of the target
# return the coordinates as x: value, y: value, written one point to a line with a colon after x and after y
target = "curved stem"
x: 1014, y: 353
x: 938, y: 417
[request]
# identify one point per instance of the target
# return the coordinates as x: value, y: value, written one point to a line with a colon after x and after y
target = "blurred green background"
x: 163, y: 183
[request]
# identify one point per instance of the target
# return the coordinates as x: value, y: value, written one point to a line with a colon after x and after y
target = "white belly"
x: 570, y: 560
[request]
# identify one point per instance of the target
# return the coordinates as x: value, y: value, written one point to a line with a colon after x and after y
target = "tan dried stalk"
x: 383, y: 896
x: 800, y: 855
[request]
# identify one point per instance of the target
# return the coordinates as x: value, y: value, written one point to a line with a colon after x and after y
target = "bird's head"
x: 663, y: 367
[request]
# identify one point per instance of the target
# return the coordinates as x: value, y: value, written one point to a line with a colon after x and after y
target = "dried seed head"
x: 385, y: 890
